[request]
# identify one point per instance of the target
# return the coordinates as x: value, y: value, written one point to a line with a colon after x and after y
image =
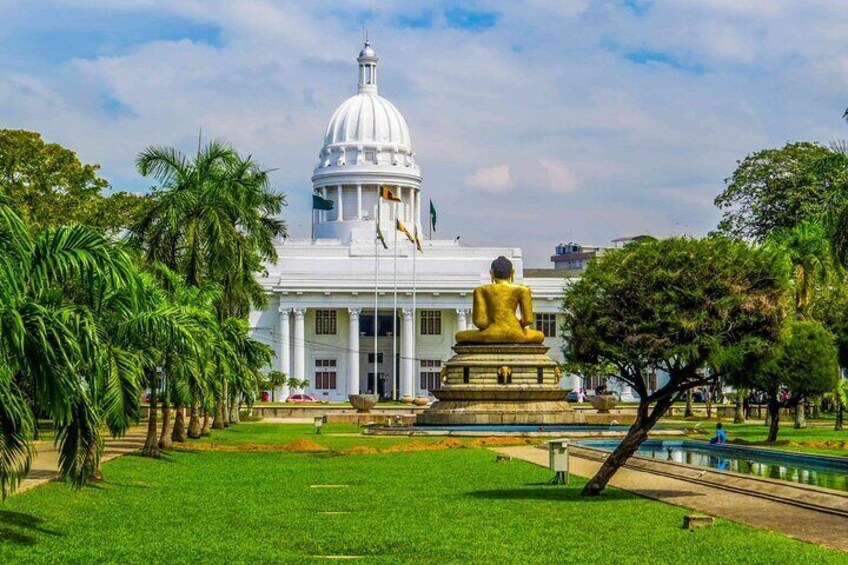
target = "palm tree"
x: 50, y: 344
x: 275, y: 380
x: 807, y: 248
x: 213, y: 220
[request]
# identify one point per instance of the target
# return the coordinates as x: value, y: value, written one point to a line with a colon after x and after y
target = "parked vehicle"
x: 301, y: 397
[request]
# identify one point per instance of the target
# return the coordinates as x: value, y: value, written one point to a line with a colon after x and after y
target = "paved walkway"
x: 800, y: 523
x: 45, y: 465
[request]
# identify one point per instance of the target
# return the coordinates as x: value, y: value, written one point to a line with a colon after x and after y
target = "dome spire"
x: 367, y: 68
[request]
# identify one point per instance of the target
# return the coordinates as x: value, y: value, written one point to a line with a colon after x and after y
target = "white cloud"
x: 491, y: 179
x: 560, y: 178
x: 652, y: 107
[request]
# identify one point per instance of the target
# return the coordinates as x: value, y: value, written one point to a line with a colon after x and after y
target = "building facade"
x: 343, y: 306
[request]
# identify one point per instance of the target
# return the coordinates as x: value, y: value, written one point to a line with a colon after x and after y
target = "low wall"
x: 334, y: 413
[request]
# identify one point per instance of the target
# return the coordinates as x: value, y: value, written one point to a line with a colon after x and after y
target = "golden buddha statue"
x: 494, y: 310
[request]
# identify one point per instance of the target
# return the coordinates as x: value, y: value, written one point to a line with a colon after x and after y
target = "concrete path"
x: 800, y: 523
x: 45, y: 465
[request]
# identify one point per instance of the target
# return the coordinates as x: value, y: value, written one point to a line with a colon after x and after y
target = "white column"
x: 340, y: 215
x: 418, y: 207
x: 299, y: 344
x: 284, y: 346
x: 353, y: 351
x: 407, y: 376
x: 414, y: 212
x: 358, y: 201
x: 323, y: 213
x: 462, y: 320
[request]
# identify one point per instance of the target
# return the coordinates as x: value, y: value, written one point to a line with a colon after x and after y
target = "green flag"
x: 319, y: 203
x: 432, y: 216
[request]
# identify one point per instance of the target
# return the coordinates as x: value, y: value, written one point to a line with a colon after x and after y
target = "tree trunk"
x: 709, y: 401
x: 225, y: 401
x: 234, y: 413
x: 165, y: 438
x: 774, y: 423
x: 218, y: 422
x: 688, y: 412
x: 739, y: 413
x: 800, y: 416
x: 151, y: 443
x: 94, y: 457
x: 179, y: 434
x: 840, y: 415
x: 204, y: 430
x: 636, y: 435
x: 194, y: 421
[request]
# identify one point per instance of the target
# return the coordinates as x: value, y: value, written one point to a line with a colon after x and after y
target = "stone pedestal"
x: 500, y: 384
x: 603, y: 403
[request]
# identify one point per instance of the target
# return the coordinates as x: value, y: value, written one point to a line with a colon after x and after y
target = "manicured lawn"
x: 449, y: 506
x: 817, y: 437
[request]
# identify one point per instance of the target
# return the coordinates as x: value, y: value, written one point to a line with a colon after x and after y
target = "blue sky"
x: 535, y: 122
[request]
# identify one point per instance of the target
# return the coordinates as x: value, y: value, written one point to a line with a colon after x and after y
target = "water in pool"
x: 522, y: 428
x: 827, y: 472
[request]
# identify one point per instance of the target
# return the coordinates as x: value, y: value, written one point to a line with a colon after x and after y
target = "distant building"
x: 574, y: 256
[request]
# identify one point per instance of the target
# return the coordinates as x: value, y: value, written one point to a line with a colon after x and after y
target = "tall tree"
x: 672, y: 304
x: 830, y: 307
x: 807, y: 249
x: 48, y: 186
x: 50, y: 344
x: 803, y: 364
x: 776, y: 189
x: 213, y: 220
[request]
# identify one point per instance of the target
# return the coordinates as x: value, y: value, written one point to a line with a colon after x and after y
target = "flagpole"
x: 376, y: 295
x: 394, y: 311
x: 414, y: 305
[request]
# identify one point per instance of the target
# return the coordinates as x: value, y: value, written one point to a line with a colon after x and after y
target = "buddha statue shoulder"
x: 494, y: 310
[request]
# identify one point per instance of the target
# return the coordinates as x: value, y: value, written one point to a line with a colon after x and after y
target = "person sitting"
x: 494, y: 310
x: 720, y: 437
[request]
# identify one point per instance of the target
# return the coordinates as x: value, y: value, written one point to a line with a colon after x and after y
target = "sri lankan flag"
x: 387, y: 194
x: 402, y: 228
x: 418, y: 240
x: 381, y: 237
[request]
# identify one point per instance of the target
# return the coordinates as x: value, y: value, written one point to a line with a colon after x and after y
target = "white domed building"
x: 321, y: 314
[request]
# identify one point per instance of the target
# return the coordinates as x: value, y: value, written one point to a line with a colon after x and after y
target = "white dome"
x: 367, y: 130
x: 368, y: 119
x: 366, y: 149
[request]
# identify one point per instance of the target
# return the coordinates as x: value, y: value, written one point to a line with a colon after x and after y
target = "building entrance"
x: 381, y: 364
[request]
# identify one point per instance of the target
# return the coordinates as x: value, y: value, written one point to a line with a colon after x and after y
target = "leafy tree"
x: 777, y: 189
x: 803, y: 364
x: 48, y: 186
x: 830, y: 307
x: 807, y: 249
x: 672, y: 304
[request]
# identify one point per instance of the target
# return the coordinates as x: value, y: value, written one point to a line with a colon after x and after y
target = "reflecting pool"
x: 816, y: 470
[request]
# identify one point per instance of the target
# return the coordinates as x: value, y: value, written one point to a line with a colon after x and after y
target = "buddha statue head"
x: 502, y: 269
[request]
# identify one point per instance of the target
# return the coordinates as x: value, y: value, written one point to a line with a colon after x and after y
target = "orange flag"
x: 387, y: 194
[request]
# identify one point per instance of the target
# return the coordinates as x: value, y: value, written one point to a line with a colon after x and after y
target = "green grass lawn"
x: 817, y: 437
x: 452, y: 506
